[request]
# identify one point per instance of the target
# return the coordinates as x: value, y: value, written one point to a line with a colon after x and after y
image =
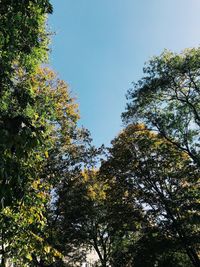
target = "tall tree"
x: 167, y: 99
x: 23, y: 47
x: 93, y: 214
x: 37, y: 119
x: 163, y: 179
x: 49, y: 122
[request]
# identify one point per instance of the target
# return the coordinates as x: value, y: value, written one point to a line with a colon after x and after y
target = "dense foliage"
x: 135, y: 203
x: 35, y: 110
x: 167, y: 100
x: 151, y: 171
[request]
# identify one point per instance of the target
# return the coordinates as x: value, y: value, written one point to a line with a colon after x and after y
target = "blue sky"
x: 100, y: 47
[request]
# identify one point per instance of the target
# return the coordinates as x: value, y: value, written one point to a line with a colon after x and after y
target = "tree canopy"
x: 167, y: 99
x: 153, y: 172
x: 135, y: 203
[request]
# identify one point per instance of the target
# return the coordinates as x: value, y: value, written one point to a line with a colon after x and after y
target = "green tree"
x: 92, y: 213
x: 163, y: 179
x: 23, y: 47
x: 167, y: 99
x: 23, y: 35
x: 37, y: 120
x: 79, y: 210
x: 51, y: 121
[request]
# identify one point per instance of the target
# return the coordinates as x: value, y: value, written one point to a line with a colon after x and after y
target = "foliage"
x: 37, y: 119
x: 54, y: 202
x: 151, y: 171
x: 49, y: 120
x: 23, y: 47
x: 167, y: 99
x: 22, y: 36
x: 77, y: 209
x: 91, y: 213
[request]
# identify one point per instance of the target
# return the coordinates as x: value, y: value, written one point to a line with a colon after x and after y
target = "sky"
x: 100, y: 48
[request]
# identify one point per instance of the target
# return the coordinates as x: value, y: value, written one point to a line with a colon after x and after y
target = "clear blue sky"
x: 101, y: 46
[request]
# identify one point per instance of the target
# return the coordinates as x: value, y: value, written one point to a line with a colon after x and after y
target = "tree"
x: 49, y: 122
x: 85, y: 214
x: 163, y: 179
x: 167, y: 99
x: 79, y: 209
x: 23, y: 35
x: 85, y: 219
x: 37, y: 120
x: 23, y: 47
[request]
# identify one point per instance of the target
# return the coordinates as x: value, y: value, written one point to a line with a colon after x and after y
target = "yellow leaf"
x: 29, y: 257
x: 47, y: 249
